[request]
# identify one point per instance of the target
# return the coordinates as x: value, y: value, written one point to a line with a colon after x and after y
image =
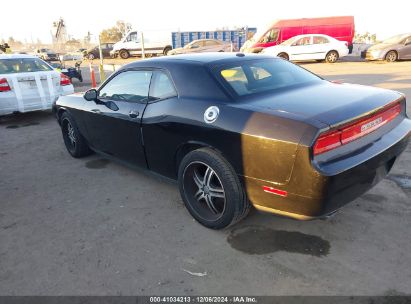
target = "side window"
x: 302, y: 41
x: 270, y: 36
x: 162, y: 87
x: 320, y: 40
x: 130, y: 86
x: 132, y: 37
x: 211, y: 43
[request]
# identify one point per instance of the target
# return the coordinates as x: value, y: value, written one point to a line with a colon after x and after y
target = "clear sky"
x: 27, y: 20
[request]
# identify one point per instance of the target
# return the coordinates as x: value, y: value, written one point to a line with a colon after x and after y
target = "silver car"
x: 202, y: 46
x: 392, y: 49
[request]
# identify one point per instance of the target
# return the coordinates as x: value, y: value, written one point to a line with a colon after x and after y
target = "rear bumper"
x: 317, y: 193
x: 9, y: 103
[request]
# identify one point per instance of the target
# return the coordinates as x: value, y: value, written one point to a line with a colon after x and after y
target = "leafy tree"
x: 365, y: 38
x: 115, y: 33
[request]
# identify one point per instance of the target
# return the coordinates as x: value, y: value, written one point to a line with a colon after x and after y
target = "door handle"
x: 133, y: 114
x: 97, y: 111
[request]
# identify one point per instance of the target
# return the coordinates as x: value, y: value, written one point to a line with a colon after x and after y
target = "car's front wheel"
x: 391, y: 56
x: 75, y: 143
x: 211, y: 190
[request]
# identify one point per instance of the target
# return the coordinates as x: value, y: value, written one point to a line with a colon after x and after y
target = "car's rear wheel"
x: 211, y: 190
x: 331, y: 57
x: 75, y: 143
x: 124, y: 54
x: 284, y: 56
x: 391, y: 56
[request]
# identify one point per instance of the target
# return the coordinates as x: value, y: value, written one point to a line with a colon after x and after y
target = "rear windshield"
x: 23, y: 65
x: 257, y: 76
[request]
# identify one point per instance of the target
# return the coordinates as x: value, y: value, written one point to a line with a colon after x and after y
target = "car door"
x: 105, y: 49
x: 319, y: 47
x: 301, y: 49
x: 114, y: 122
x: 161, y: 127
x: 404, y: 52
x: 212, y: 46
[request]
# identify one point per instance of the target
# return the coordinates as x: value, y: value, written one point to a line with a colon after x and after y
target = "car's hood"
x: 325, y: 102
x: 275, y: 49
x: 381, y: 46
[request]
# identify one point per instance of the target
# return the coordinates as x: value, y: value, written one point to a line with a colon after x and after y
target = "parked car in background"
x: 391, y: 49
x: 202, y: 46
x: 309, y: 47
x: 341, y: 28
x: 27, y: 83
x: 94, y: 52
x: 155, y: 43
x: 237, y: 129
x: 47, y: 54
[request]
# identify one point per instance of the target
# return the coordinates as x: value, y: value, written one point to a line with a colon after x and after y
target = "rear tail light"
x: 331, y: 140
x: 327, y: 141
x: 4, y: 85
x: 64, y: 80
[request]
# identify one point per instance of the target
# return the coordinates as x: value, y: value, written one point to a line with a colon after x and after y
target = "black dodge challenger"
x: 238, y: 130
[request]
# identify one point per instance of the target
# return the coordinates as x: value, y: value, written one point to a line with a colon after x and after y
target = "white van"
x: 155, y: 43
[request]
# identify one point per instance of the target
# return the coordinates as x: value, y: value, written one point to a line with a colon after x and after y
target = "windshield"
x: 394, y: 40
x: 23, y: 65
x: 261, y: 75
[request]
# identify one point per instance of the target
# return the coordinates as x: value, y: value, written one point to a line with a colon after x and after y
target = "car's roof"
x: 16, y: 56
x: 200, y: 58
x: 308, y: 35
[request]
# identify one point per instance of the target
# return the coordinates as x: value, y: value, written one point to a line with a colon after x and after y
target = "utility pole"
x: 101, y: 68
x: 143, y: 54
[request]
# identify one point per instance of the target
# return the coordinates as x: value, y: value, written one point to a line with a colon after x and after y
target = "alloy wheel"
x: 204, y: 191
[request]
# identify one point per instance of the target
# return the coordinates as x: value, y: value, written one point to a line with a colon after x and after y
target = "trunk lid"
x: 330, y: 103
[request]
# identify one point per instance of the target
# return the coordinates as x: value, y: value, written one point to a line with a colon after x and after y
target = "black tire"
x: 166, y: 50
x: 391, y: 56
x: 220, y: 188
x: 332, y: 57
x: 284, y: 56
x: 124, y: 54
x: 75, y: 143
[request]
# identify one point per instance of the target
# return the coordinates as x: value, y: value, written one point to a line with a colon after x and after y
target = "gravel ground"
x: 94, y: 227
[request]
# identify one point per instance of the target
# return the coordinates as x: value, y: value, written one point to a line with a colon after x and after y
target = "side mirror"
x: 91, y: 95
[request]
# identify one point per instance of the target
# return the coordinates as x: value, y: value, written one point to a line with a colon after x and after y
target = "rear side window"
x: 320, y: 40
x: 162, y: 87
x: 256, y: 76
x: 23, y: 65
x: 130, y: 86
x: 211, y: 43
